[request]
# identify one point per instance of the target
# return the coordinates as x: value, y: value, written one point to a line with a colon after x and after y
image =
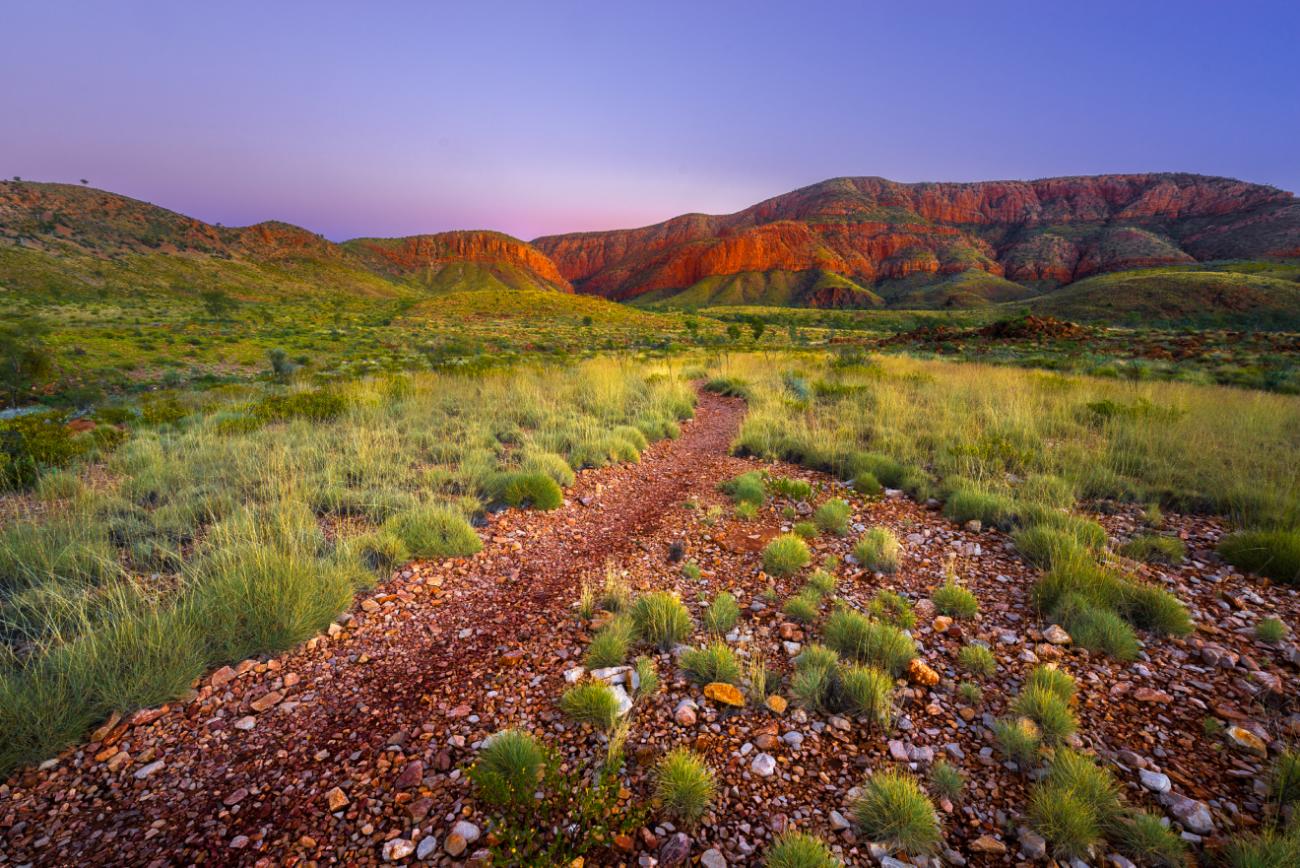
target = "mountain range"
x: 841, y: 243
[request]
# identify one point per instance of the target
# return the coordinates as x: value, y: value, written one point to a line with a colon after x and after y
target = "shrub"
x: 892, y: 608
x: 509, y: 769
x: 894, y: 811
x: 858, y: 637
x: 953, y: 600
x: 970, y: 693
x: 714, y: 662
x: 788, y: 486
x: 882, y: 467
x: 1044, y: 547
x: 805, y: 529
x: 1284, y: 782
x: 866, y: 484
x: 1270, y: 630
x: 1145, y: 838
x: 592, y: 702
x: 1155, y: 549
x: 1101, y: 630
x: 1044, y: 707
x: 647, y: 674
x: 661, y: 619
x: 1268, y: 849
x: 992, y: 510
x: 685, y: 785
x: 947, y: 779
x: 785, y: 555
x: 381, y: 550
x: 977, y: 659
x: 522, y: 489
x: 746, y: 511
x: 746, y: 488
x: 609, y: 646
x: 1019, y: 739
x: 867, y: 691
x: 722, y: 614
x: 823, y: 582
x: 1052, y: 679
x: 799, y: 850
x: 833, y: 517
x: 1062, y: 818
x: 1271, y: 553
x: 803, y: 607
x: 434, y: 532
x: 878, y: 550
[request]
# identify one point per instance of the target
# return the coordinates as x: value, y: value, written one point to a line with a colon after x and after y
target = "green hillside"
x: 813, y: 288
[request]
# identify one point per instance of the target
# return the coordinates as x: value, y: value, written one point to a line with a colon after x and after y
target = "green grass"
x: 434, y: 532
x: 785, y: 555
x: 879, y: 550
x: 1075, y: 805
x: 609, y: 647
x: 803, y: 607
x: 947, y: 780
x: 1271, y: 848
x: 859, y: 638
x: 592, y: 703
x: 714, y: 662
x: 1018, y: 739
x: 799, y: 850
x: 1155, y: 549
x: 685, y: 785
x: 953, y: 600
x: 977, y: 660
x: 892, y: 608
x: 647, y: 673
x: 1145, y: 839
x: 833, y: 517
x: 1046, y: 708
x: 661, y: 620
x: 867, y: 692
x: 894, y: 810
x: 508, y: 771
x: 1056, y: 681
x: 1275, y: 553
x: 746, y: 488
x: 1271, y: 630
x: 722, y: 614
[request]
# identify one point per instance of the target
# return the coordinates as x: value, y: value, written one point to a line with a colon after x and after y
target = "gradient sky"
x: 392, y: 118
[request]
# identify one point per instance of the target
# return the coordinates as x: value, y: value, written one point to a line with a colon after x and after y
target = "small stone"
x: 1056, y: 635
x: 427, y: 845
x: 1032, y: 845
x: 235, y: 797
x: 684, y: 714
x: 398, y: 849
x: 974, y: 526
x: 620, y: 696
x: 919, y: 673
x: 941, y: 624
x: 412, y: 774
x: 1246, y: 740
x: 222, y: 676
x: 266, y: 701
x: 713, y: 858
x: 776, y: 703
x: 764, y: 765
x: 336, y: 799
x: 1148, y: 695
x: 1195, y: 816
x: 246, y: 722
x: 988, y: 844
x: 839, y: 822
x: 1154, y: 781
x: 145, y: 771
x: 724, y: 693
x: 676, y: 850
x: 369, y: 605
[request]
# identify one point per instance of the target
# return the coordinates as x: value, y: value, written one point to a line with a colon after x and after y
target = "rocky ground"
x: 352, y: 748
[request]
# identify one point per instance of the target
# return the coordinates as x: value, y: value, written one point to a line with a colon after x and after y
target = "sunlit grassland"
x: 246, y: 527
x: 1007, y: 431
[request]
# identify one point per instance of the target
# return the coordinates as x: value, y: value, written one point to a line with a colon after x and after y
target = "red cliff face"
x: 870, y: 229
x: 401, y: 256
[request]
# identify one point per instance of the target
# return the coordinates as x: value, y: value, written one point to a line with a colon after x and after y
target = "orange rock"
x: 336, y: 799
x: 919, y: 673
x: 723, y: 693
x: 776, y: 703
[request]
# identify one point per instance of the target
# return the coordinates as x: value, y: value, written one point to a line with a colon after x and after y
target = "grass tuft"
x: 661, y: 620
x: 856, y: 636
x: 509, y: 769
x: 833, y: 517
x: 722, y: 614
x: 685, y: 785
x: 879, y: 550
x: 714, y: 662
x: 593, y: 703
x: 785, y: 555
x: 894, y: 810
x: 799, y: 850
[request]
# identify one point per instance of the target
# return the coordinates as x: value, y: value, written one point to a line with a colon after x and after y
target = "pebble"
x: 713, y: 858
x: 145, y: 771
x: 764, y: 765
x: 1154, y: 781
x: 398, y: 849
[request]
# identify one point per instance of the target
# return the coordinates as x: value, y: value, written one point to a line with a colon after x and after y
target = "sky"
x: 395, y: 118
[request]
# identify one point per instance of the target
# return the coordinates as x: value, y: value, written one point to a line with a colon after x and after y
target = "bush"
x: 794, y: 489
x: 434, y: 532
x: 30, y: 444
x: 955, y: 601
x: 867, y: 691
x: 381, y: 551
x: 805, y: 530
x: 1044, y: 707
x: 731, y: 387
x: 685, y: 785
x: 992, y: 510
x: 661, y: 620
x: 714, y: 662
x: 858, y: 637
x: 878, y: 550
x: 1270, y: 630
x: 722, y: 614
x: 1146, y: 839
x: 977, y: 659
x: 1019, y: 739
x: 1271, y: 553
x: 1074, y: 805
x: 746, y: 488
x: 1155, y: 549
x: 833, y: 517
x: 609, y: 646
x: 799, y: 850
x: 785, y: 555
x: 592, y: 702
x: 947, y: 779
x: 892, y: 608
x: 822, y: 581
x: 803, y: 607
x: 894, y: 811
x: 523, y: 489
x: 509, y: 769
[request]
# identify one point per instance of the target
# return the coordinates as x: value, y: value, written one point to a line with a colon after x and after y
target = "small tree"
x: 25, y: 359
x: 281, y: 367
x: 757, y: 326
x: 217, y: 303
x: 733, y: 332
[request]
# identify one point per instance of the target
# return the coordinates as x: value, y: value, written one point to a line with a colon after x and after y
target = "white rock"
x: 574, y: 675
x: 426, y: 848
x: 466, y: 830
x: 839, y: 822
x: 764, y: 765
x: 145, y: 771
x: 624, y: 701
x: 713, y: 859
x: 1154, y: 781
x: 397, y: 849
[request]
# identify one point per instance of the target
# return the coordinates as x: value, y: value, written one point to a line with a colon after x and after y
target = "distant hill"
x: 60, y: 233
x: 894, y: 240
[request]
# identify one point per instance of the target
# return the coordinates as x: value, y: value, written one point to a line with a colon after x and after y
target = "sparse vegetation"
x: 952, y: 599
x: 785, y: 555
x: 833, y: 517
x: 867, y: 691
x: 593, y: 703
x: 722, y: 614
x: 879, y: 550
x: 660, y: 619
x: 799, y: 850
x: 509, y: 769
x: 1270, y: 630
x: 1155, y: 549
x: 894, y: 810
x: 892, y: 608
x: 947, y: 780
x: 859, y: 638
x: 1271, y: 553
x: 977, y: 660
x: 714, y: 662
x: 685, y: 785
x: 803, y: 607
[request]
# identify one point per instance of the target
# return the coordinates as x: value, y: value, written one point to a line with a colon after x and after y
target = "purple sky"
x: 539, y: 117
